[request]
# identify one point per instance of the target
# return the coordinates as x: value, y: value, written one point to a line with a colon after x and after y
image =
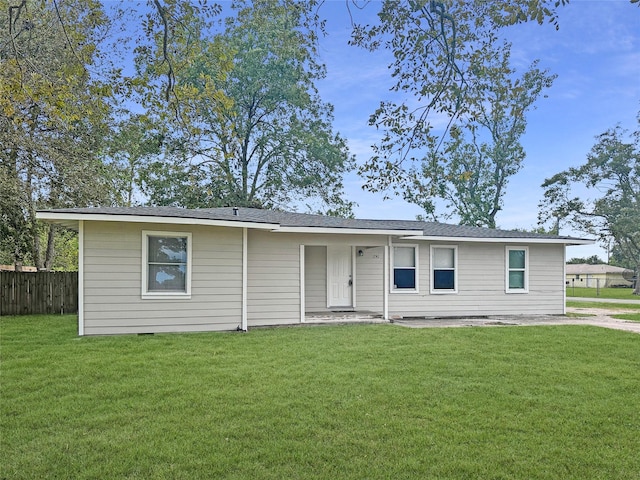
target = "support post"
x: 245, y: 259
x: 302, y: 289
x: 385, y: 286
x: 81, y: 277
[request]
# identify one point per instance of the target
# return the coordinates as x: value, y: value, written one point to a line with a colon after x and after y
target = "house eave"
x: 346, y: 231
x: 71, y: 220
x: 523, y: 240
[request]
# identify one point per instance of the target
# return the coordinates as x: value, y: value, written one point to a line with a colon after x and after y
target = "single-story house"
x: 593, y: 276
x: 165, y: 269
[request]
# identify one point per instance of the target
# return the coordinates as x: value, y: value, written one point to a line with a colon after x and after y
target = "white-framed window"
x: 404, y: 259
x: 517, y: 269
x: 166, y: 264
x: 444, y: 269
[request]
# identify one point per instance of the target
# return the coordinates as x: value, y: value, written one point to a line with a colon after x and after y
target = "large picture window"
x: 405, y: 270
x: 166, y: 258
x: 517, y: 272
x: 444, y: 265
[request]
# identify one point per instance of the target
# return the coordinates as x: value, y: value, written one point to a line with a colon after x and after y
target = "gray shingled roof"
x: 586, y: 269
x: 290, y: 219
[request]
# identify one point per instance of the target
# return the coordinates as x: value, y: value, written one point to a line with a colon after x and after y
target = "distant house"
x: 592, y: 276
x: 146, y: 270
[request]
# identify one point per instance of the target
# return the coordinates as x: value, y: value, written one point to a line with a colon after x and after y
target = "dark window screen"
x: 404, y: 278
x: 443, y: 279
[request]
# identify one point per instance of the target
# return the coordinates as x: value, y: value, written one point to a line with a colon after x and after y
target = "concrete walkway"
x: 601, y: 318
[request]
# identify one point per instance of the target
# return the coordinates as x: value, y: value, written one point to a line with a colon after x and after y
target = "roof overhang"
x: 71, y: 220
x: 346, y: 231
x: 565, y: 241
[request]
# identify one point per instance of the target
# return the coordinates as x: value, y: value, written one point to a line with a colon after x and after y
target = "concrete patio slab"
x: 598, y: 320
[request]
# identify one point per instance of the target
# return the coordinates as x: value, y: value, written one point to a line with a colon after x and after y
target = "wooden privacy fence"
x: 24, y: 293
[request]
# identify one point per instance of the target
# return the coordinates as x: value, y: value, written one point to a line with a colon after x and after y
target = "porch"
x: 344, y: 283
x: 340, y: 317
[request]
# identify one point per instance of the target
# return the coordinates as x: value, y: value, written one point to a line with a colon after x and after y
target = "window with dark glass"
x: 404, y: 268
x: 444, y: 268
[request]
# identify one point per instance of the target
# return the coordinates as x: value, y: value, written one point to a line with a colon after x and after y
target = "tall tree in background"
x: 53, y: 114
x: 134, y: 142
x: 612, y: 175
x: 447, y: 59
x: 592, y: 260
x: 250, y: 128
x: 471, y: 172
x: 151, y: 109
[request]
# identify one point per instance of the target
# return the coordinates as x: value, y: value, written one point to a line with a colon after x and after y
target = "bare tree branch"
x: 165, y: 53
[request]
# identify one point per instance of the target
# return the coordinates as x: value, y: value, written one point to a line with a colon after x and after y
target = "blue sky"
x: 596, y: 55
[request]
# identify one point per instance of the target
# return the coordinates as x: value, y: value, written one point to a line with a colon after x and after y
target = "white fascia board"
x: 70, y: 224
x: 565, y: 241
x: 102, y: 217
x: 346, y: 231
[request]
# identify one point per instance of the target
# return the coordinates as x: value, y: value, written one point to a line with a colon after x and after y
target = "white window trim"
x: 508, y: 248
x: 416, y: 250
x: 145, y: 294
x: 441, y: 291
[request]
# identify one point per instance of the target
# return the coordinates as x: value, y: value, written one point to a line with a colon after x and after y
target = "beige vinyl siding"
x: 274, y: 273
x: 315, y: 278
x: 481, y: 284
x: 273, y: 288
x: 113, y: 275
x: 369, y: 279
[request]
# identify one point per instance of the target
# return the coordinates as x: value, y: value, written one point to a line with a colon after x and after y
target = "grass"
x: 334, y: 402
x: 634, y: 317
x: 604, y: 305
x: 619, y: 293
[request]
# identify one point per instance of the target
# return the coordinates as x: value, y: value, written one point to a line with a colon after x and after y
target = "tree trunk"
x: 636, y: 291
x: 36, y: 250
x: 50, y: 253
x: 31, y: 207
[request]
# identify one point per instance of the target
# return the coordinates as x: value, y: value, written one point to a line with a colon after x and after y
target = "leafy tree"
x: 612, y: 176
x: 65, y: 256
x: 592, y: 260
x: 617, y: 258
x: 134, y: 143
x: 470, y: 173
x: 250, y: 128
x: 52, y: 117
x: 441, y: 52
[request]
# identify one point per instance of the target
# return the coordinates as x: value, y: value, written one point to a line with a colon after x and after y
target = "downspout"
x: 564, y: 279
x: 386, y: 280
x: 302, y: 286
x: 81, y: 277
x: 245, y: 258
x: 353, y: 277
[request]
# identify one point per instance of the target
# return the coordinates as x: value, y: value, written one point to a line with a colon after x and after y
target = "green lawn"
x: 622, y: 293
x: 634, y: 317
x: 334, y: 402
x: 605, y: 305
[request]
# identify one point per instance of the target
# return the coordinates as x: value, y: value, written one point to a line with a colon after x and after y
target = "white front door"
x: 339, y: 276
